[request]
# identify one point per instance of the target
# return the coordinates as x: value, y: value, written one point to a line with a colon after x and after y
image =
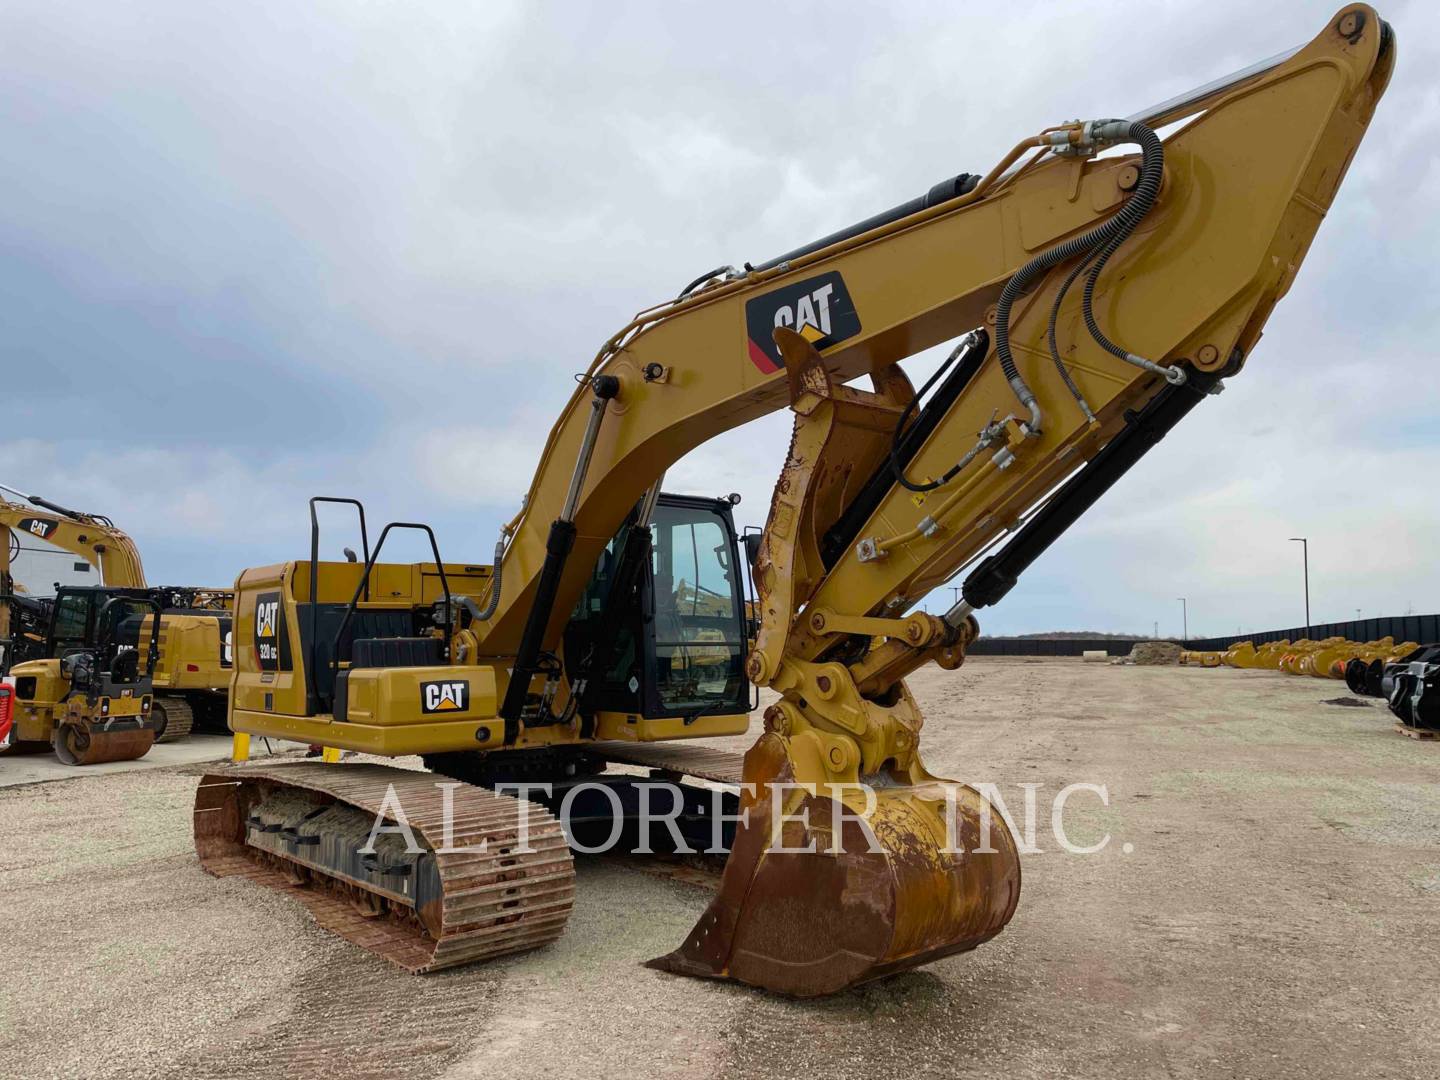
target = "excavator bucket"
x: 813, y: 901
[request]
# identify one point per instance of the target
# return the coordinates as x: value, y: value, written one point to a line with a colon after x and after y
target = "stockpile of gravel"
x: 1155, y: 653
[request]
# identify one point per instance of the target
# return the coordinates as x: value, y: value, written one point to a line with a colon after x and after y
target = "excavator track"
x: 298, y: 827
x: 179, y: 718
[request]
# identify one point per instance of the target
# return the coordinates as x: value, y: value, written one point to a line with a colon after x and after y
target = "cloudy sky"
x: 262, y: 251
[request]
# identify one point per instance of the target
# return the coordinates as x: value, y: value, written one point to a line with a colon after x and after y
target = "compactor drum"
x: 614, y: 618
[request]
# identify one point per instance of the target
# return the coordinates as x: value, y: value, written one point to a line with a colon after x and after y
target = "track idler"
x: 811, y: 923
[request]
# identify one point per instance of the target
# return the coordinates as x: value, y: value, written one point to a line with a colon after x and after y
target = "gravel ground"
x: 1276, y: 915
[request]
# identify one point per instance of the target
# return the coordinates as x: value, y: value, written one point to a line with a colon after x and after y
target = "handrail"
x: 364, y: 586
x: 101, y: 643
x: 315, y: 572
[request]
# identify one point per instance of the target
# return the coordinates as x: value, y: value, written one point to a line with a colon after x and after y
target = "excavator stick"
x: 851, y: 861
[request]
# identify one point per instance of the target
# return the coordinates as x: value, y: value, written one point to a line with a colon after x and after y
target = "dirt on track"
x: 1277, y: 914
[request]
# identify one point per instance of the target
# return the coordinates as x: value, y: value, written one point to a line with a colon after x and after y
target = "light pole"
x: 1184, y: 619
x: 1304, y: 543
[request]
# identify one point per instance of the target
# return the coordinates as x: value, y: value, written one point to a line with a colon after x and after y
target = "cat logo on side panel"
x: 451, y: 695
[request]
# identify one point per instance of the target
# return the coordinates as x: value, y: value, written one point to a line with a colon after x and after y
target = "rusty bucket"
x: 817, y: 922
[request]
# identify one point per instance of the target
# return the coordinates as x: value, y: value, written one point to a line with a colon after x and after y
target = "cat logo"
x: 272, y: 638
x: 450, y: 696
x: 41, y: 527
x: 265, y: 616
x: 819, y: 309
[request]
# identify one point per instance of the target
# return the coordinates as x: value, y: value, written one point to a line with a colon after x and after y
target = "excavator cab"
x: 91, y: 697
x: 660, y: 630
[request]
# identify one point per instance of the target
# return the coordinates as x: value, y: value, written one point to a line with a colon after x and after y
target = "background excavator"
x: 1100, y: 280
x: 188, y: 676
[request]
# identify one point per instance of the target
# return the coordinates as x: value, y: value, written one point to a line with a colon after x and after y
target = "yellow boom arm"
x: 1246, y: 180
x: 98, y: 542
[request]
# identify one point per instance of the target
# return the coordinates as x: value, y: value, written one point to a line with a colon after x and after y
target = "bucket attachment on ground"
x: 811, y: 923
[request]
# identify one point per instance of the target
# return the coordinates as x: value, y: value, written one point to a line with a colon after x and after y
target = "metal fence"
x: 1424, y: 629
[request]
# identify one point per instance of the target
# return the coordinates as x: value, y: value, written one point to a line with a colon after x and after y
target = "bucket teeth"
x: 811, y: 923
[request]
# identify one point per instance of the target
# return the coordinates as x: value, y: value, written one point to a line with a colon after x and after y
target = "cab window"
x: 72, y: 616
x: 699, y: 640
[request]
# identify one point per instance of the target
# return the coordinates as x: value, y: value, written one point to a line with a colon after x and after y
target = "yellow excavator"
x: 1100, y: 280
x: 186, y: 680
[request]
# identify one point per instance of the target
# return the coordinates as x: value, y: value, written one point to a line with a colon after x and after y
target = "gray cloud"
x: 258, y: 252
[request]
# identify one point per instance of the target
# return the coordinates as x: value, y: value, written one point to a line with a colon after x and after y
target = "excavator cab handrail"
x: 104, y: 633
x: 315, y: 566
x: 364, y: 586
x: 315, y: 535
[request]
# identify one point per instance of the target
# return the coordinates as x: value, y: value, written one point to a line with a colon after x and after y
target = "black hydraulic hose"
x: 702, y: 279
x: 484, y: 614
x: 1050, y: 335
x: 841, y: 535
x: 1114, y: 230
x: 897, y: 468
x: 1146, y: 192
x: 998, y: 573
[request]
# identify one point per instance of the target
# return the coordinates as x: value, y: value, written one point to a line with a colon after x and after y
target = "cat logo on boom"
x: 452, y: 695
x: 819, y: 309
x: 41, y: 527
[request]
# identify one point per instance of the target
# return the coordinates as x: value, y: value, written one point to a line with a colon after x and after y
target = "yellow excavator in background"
x: 1096, y: 299
x: 186, y: 680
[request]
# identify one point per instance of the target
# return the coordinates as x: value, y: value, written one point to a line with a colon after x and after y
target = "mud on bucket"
x: 811, y: 923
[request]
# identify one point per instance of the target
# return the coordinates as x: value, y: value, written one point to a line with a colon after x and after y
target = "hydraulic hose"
x: 1107, y: 236
x: 709, y: 275
x: 1054, y: 346
x: 897, y: 468
x: 494, y: 602
x: 1146, y: 191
